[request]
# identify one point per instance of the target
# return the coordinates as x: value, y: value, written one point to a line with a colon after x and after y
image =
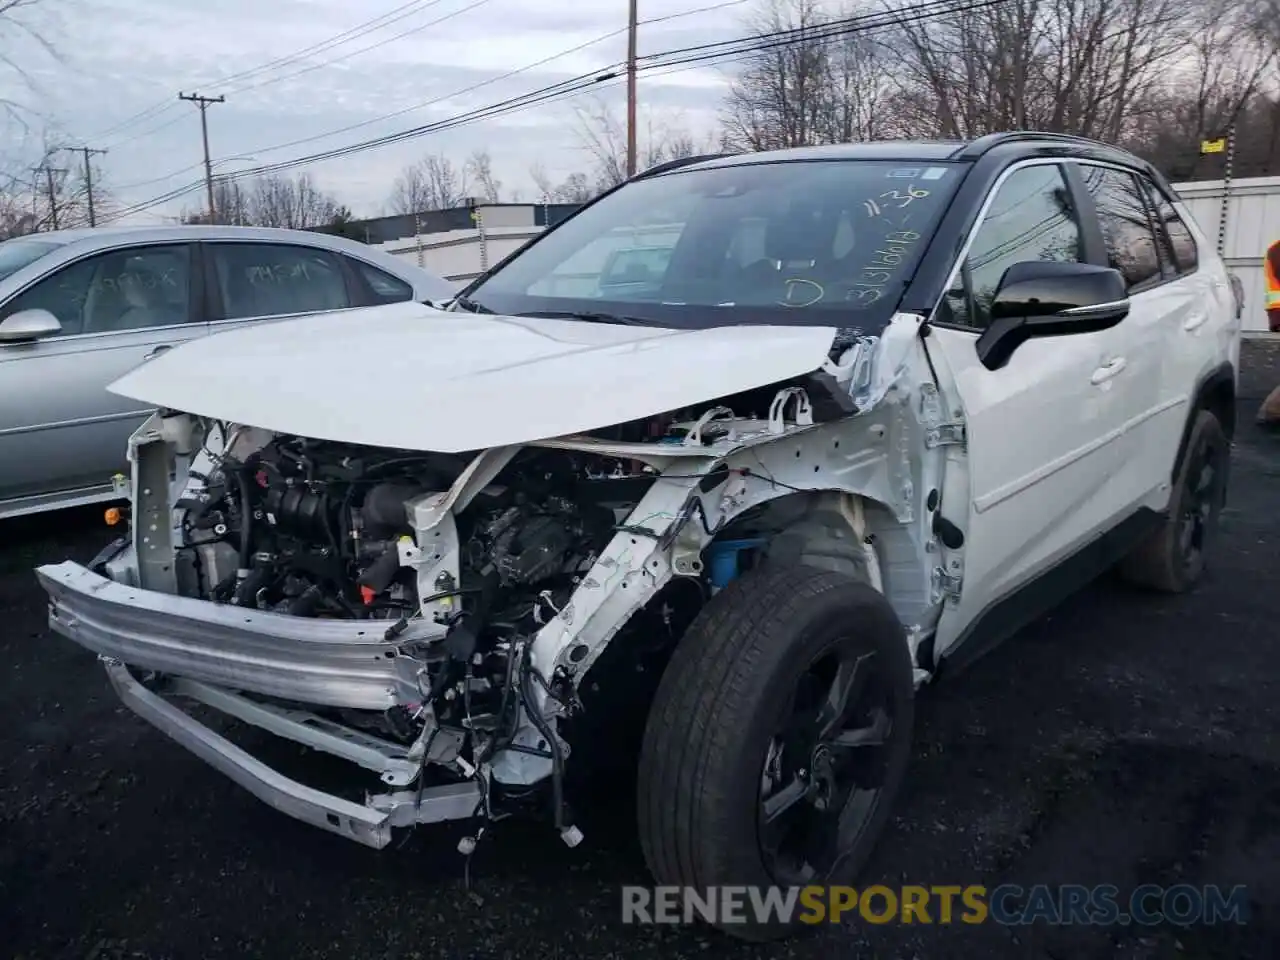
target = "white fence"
x: 1253, y: 222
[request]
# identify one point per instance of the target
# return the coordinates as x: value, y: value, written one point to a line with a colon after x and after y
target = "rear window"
x: 16, y: 254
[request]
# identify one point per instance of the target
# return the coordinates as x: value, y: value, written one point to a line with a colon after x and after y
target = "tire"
x: 1174, y: 557
x: 730, y: 684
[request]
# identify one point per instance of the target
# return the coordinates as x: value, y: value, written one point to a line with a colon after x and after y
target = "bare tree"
x: 1155, y: 75
x: 1218, y: 79
x: 575, y: 188
x: 294, y: 203
x: 19, y: 212
x: 1072, y: 66
x: 479, y: 169
x: 52, y: 192
x: 230, y: 203
x: 16, y: 32
x: 828, y: 86
x: 778, y: 98
x: 603, y: 135
x: 433, y: 183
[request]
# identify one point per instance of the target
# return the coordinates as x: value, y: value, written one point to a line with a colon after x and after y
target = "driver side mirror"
x: 1046, y: 298
x: 28, y: 325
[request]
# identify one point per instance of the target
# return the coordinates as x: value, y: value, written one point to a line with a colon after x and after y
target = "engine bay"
x: 313, y: 529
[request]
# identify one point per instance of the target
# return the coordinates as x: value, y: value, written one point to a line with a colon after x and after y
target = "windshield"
x: 829, y: 243
x: 16, y: 254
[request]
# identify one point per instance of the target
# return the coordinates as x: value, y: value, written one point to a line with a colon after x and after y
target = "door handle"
x: 1108, y: 370
x: 163, y: 348
x: 1194, y: 321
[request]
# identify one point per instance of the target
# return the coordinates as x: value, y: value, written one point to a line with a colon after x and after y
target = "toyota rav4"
x: 710, y: 478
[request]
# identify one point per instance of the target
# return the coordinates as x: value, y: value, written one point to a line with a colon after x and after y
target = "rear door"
x: 254, y: 281
x: 60, y: 430
x: 1198, y: 309
x: 1160, y: 306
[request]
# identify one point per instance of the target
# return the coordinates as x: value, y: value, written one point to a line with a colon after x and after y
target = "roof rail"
x: 978, y: 147
x: 668, y: 165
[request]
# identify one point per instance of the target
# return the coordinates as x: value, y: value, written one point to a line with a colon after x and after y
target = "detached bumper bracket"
x: 370, y: 825
x: 335, y: 814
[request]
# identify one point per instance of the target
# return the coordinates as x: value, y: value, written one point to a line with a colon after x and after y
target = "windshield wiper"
x: 466, y: 303
x: 589, y: 316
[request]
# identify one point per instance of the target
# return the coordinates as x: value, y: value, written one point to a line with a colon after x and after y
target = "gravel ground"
x: 1124, y: 739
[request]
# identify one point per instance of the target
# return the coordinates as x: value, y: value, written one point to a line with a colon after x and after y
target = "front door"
x: 61, y: 432
x: 1042, y: 452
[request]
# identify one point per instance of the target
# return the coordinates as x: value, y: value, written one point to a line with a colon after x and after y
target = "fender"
x: 1216, y: 392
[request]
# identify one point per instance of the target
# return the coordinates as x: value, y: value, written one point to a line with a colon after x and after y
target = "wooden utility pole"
x: 203, y: 104
x: 48, y: 172
x: 632, y: 22
x: 87, y: 153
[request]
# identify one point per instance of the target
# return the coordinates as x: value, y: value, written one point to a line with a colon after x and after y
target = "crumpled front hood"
x: 410, y: 376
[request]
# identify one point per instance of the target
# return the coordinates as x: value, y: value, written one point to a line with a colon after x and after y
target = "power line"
x: 268, y: 81
x: 688, y: 57
x: 444, y: 97
x: 744, y: 48
x: 352, y: 33
x: 372, y: 46
x: 394, y: 15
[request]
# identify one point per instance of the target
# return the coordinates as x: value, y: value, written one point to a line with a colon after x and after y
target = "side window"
x: 1126, y: 228
x: 384, y: 287
x: 1030, y: 218
x: 116, y: 291
x: 269, y: 279
x: 1177, y: 245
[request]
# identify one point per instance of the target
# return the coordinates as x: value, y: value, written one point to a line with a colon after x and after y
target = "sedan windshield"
x: 824, y: 242
x: 16, y: 254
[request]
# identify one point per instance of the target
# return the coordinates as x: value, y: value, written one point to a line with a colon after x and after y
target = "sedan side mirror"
x: 28, y: 325
x: 1047, y: 298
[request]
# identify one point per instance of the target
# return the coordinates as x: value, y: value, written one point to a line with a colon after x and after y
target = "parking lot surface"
x: 1123, y: 739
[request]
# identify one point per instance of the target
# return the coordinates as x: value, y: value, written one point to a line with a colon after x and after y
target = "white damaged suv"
x: 711, y: 477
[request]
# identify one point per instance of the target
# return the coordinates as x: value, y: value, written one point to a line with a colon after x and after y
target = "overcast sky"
x: 118, y: 58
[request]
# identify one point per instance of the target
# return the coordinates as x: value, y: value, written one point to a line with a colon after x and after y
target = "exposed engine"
x: 314, y: 529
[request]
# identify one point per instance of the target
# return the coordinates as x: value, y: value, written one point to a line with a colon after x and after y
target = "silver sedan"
x: 79, y: 308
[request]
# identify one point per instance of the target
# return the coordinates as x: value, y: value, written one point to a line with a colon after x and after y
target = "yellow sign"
x: 1213, y: 146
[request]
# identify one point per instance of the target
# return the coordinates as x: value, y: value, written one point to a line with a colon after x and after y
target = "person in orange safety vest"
x: 1271, y: 269
x: 1269, y: 412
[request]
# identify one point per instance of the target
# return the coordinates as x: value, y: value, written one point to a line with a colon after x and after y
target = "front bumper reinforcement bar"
x: 370, y: 824
x: 331, y: 663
